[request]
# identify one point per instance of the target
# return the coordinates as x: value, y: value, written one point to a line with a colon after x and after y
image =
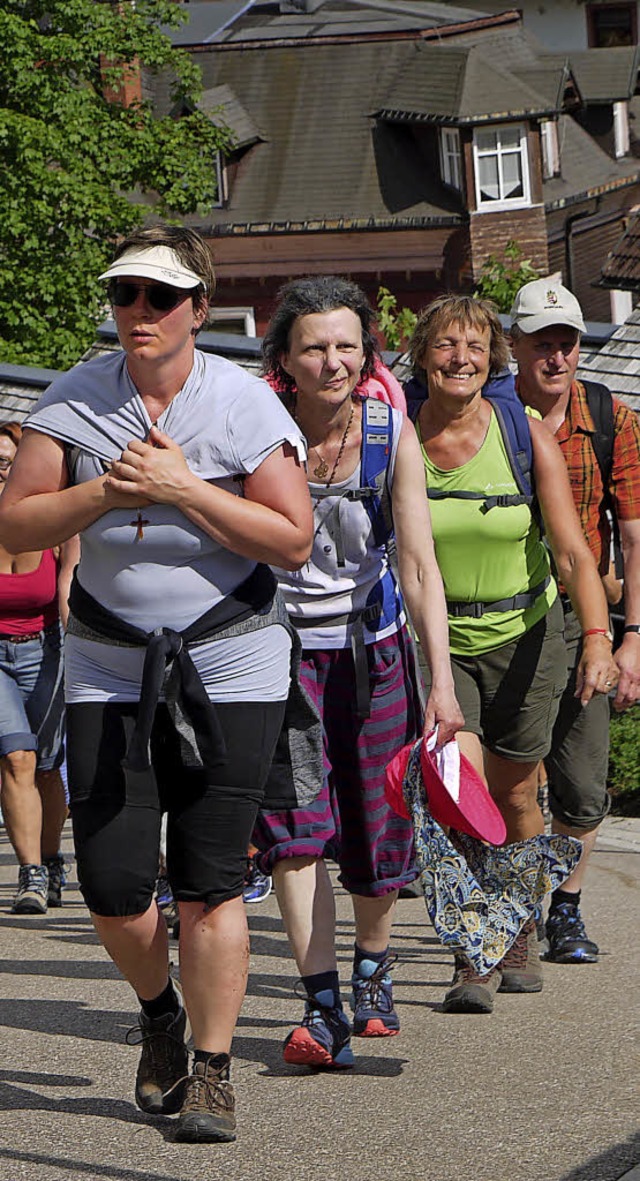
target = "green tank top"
x: 487, y: 556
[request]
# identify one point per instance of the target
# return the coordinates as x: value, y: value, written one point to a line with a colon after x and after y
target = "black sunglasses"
x: 160, y: 296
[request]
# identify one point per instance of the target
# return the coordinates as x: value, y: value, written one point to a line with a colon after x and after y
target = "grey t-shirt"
x: 226, y: 422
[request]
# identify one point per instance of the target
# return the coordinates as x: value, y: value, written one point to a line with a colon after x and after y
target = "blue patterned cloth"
x: 479, y: 896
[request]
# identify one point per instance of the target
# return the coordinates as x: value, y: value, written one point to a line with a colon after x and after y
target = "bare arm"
x: 575, y: 563
x: 38, y: 509
x: 421, y: 582
x: 69, y: 558
x: 628, y: 654
x: 272, y: 523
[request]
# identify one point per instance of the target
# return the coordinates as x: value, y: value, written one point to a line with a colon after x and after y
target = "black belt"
x: 515, y: 603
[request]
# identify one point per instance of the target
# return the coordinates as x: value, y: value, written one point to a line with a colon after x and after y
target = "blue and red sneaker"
x: 372, y: 1000
x: 323, y: 1039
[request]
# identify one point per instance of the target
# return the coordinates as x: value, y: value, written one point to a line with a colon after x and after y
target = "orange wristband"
x: 598, y: 631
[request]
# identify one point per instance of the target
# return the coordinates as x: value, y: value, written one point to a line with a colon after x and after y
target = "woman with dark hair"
x: 366, y: 483
x: 183, y: 474
x: 505, y: 618
x: 34, y: 587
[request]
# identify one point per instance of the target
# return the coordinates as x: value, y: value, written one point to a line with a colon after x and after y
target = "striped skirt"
x: 350, y: 822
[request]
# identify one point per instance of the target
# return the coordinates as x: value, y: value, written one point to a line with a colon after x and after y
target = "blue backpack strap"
x: 377, y: 441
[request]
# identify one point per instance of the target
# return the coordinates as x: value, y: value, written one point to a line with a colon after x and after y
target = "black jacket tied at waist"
x: 193, y: 714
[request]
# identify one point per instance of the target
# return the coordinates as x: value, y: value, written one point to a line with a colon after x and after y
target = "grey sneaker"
x: 33, y: 887
x: 164, y: 1062
x: 57, y: 878
x: 208, y: 1112
x: 469, y: 992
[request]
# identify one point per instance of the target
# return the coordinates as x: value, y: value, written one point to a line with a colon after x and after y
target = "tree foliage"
x: 396, y: 324
x: 501, y: 278
x: 79, y: 166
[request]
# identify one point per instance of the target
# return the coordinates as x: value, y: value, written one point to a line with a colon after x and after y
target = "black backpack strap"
x: 600, y: 405
x: 602, y: 411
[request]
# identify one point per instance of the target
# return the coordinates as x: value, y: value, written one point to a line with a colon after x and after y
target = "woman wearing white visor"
x: 183, y: 474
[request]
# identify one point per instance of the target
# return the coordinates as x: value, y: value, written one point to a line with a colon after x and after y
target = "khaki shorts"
x: 511, y: 695
x: 577, y: 765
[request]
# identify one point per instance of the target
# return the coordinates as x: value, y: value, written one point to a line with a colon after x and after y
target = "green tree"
x: 395, y: 325
x: 81, y: 164
x: 501, y: 278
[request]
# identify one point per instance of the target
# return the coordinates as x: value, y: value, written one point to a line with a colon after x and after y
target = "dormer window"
x: 451, y: 157
x: 501, y: 166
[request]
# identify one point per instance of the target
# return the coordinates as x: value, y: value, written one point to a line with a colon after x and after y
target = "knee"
x: 19, y: 764
x: 519, y: 799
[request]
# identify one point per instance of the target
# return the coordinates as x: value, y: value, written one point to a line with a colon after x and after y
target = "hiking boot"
x: 208, y: 1111
x: 521, y: 969
x: 57, y: 878
x: 372, y: 1000
x: 470, y: 992
x: 568, y: 941
x: 257, y: 885
x: 322, y: 1040
x: 164, y: 1062
x: 33, y: 887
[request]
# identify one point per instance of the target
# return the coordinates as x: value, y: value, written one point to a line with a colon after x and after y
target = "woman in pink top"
x: 33, y: 594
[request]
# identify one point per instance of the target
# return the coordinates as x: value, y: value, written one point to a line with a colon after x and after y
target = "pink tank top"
x: 29, y: 602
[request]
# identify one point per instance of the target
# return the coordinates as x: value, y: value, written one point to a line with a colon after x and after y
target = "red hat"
x: 457, y: 795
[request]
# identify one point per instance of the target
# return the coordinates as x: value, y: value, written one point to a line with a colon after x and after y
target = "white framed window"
x: 221, y: 181
x: 550, y: 148
x: 451, y: 157
x: 501, y: 166
x: 239, y: 321
x: 621, y: 129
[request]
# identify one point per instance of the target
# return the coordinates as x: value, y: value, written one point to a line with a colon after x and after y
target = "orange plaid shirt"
x: 584, y: 472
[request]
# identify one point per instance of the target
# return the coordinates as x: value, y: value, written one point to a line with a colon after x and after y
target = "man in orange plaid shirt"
x: 546, y: 327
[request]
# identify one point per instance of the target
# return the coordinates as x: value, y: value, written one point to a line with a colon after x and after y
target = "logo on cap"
x: 552, y: 297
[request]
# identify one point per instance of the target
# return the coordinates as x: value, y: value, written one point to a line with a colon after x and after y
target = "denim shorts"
x: 32, y: 698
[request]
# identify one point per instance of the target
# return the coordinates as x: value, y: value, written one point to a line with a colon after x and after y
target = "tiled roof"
x: 585, y: 167
x: 622, y: 267
x: 617, y: 363
x: 606, y: 75
x: 223, y: 99
x: 328, y: 163
x: 467, y: 85
x: 211, y: 23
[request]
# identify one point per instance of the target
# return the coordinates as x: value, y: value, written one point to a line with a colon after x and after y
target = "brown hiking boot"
x: 208, y: 1111
x: 521, y: 968
x: 470, y: 992
x: 164, y: 1062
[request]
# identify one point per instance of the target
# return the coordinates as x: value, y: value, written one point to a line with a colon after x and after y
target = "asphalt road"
x: 544, y: 1089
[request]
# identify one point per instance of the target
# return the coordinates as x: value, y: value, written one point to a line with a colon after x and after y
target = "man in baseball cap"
x: 547, y: 323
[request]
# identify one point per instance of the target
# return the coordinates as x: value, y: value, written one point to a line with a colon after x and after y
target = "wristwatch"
x: 632, y: 627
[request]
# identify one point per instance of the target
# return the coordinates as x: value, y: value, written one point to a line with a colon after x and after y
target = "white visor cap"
x: 153, y: 262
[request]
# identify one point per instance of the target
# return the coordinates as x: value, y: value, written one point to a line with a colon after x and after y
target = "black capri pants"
x: 117, y: 814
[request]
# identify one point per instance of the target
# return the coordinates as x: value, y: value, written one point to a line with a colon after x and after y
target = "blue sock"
x: 320, y: 983
x: 376, y: 957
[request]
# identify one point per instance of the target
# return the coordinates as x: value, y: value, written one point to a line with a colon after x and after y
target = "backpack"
x: 512, y: 418
x: 600, y: 405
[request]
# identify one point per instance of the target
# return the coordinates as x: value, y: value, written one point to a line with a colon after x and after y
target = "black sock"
x: 564, y: 897
x: 167, y: 1002
x: 321, y: 981
x: 378, y: 957
x: 221, y: 1062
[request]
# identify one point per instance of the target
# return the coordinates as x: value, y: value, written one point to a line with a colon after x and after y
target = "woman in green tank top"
x: 505, y: 618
